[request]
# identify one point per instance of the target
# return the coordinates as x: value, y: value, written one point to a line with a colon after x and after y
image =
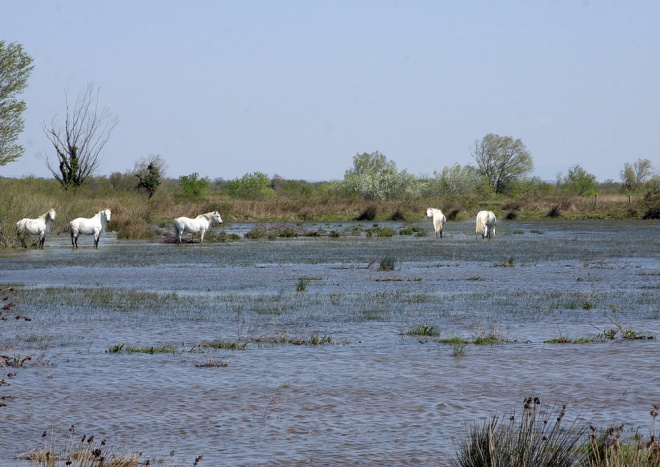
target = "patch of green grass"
x: 410, y: 230
x: 150, y: 350
x: 454, y: 341
x: 302, y: 285
x: 424, y: 330
x: 378, y: 231
x: 518, y: 232
x: 535, y: 231
x: 256, y: 233
x: 566, y: 340
x: 486, y: 340
x: 223, y: 344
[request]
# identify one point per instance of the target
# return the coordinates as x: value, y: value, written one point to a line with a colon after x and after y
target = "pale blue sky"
x: 297, y: 88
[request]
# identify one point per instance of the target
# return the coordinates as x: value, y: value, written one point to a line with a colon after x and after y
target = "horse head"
x: 106, y: 213
x: 429, y: 212
x: 51, y: 214
x: 216, y: 217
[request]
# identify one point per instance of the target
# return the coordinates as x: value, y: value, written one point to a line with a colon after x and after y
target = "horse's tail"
x: 480, y: 224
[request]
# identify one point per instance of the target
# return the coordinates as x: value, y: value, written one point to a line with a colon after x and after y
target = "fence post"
x: 595, y: 200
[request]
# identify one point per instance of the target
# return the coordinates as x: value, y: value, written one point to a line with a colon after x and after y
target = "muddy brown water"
x: 374, y: 394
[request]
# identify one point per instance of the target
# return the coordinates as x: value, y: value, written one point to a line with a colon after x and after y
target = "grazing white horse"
x: 486, y: 222
x: 39, y: 226
x: 93, y: 226
x: 439, y: 220
x: 200, y: 224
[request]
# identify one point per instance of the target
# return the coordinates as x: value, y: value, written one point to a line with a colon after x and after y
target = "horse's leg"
x: 97, y: 237
x: 201, y: 236
x: 74, y: 239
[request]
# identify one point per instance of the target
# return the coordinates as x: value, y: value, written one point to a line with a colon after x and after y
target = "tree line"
x: 502, y: 163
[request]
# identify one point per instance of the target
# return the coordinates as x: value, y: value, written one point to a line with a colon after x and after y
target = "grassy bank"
x: 136, y: 216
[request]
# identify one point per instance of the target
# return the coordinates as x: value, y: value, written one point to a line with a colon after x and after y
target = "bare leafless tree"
x: 79, y: 144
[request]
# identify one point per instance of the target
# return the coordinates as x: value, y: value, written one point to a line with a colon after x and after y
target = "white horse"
x: 439, y: 220
x: 200, y: 224
x: 486, y: 222
x: 93, y: 226
x: 39, y: 226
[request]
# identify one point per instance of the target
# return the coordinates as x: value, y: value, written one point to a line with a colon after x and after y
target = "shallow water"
x: 374, y: 394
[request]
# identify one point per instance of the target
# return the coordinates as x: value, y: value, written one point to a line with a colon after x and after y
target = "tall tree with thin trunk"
x: 15, y: 68
x: 79, y: 144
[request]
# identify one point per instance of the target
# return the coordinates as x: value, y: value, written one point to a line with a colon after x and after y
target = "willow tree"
x: 15, y: 68
x: 79, y: 144
x: 502, y: 160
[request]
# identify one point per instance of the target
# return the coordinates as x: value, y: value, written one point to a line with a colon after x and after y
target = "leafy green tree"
x: 193, y: 185
x: 502, y: 160
x: 579, y: 182
x: 373, y: 176
x: 457, y: 180
x: 79, y: 144
x: 635, y: 175
x: 369, y: 164
x: 256, y: 185
x: 15, y: 69
x: 149, y: 173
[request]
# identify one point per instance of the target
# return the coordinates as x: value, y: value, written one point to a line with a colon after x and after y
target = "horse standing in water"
x: 200, y: 224
x: 93, y: 226
x: 39, y: 226
x: 486, y: 222
x: 438, y: 219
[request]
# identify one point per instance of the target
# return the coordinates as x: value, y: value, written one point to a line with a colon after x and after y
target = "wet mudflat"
x: 332, y: 374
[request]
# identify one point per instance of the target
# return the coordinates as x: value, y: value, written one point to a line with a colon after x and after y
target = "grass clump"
x: 150, y: 350
x: 455, y: 341
x: 536, y: 437
x: 458, y: 349
x: 611, y: 447
x: 566, y: 340
x: 84, y: 453
x: 302, y: 284
x: 507, y: 263
x: 424, y: 330
x: 486, y: 340
x: 387, y: 264
x: 378, y: 231
x: 221, y: 344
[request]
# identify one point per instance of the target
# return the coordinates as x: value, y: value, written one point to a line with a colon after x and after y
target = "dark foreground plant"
x: 536, y: 437
x: 387, y: 264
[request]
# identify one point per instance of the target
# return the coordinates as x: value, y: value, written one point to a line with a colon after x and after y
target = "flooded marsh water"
x: 374, y: 393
